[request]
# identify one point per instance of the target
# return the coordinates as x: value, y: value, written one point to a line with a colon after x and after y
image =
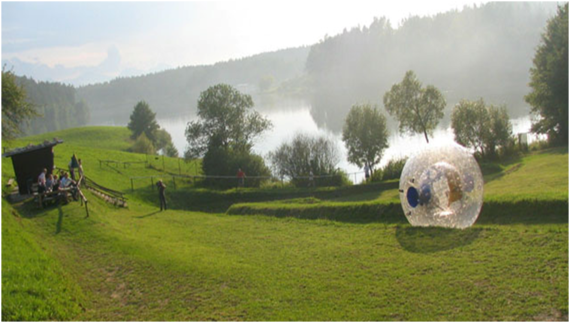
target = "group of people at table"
x: 61, y: 184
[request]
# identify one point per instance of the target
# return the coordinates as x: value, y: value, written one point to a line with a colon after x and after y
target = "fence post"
x: 132, y: 185
x: 179, y: 170
x: 174, y: 181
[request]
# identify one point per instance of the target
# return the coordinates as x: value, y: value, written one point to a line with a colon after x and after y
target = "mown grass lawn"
x: 179, y: 265
x: 141, y: 264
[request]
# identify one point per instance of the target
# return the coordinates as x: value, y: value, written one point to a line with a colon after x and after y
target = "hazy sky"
x: 126, y: 38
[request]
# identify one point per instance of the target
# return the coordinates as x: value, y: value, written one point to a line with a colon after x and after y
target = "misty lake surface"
x: 296, y: 118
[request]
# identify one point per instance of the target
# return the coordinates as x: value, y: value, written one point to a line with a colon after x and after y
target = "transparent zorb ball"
x: 442, y: 185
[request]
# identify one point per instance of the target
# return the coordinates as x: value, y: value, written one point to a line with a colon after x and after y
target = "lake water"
x: 296, y: 117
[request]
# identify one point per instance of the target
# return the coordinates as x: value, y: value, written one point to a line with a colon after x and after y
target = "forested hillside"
x: 175, y: 92
x: 483, y: 51
x: 57, y: 105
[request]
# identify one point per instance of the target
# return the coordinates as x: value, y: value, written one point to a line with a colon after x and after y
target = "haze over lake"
x: 295, y: 116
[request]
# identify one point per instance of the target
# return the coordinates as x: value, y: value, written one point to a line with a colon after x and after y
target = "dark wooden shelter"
x: 29, y: 162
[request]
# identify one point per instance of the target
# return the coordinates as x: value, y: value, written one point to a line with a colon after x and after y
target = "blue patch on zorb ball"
x: 450, y: 192
x: 412, y: 196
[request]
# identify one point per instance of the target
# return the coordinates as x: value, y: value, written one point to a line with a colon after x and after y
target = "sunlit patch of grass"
x: 35, y: 286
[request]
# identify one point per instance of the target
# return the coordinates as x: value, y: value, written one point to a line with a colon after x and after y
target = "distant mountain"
x: 175, y: 92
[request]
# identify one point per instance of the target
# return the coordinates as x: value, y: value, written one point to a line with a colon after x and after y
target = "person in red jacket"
x: 241, y: 177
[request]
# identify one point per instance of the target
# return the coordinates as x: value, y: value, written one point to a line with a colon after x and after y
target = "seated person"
x: 49, y: 183
x: 55, y: 186
x: 66, y: 183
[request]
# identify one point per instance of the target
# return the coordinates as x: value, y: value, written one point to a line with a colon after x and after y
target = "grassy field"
x: 283, y: 254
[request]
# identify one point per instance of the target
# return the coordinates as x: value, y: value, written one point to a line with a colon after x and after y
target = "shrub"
x: 306, y: 154
x: 336, y: 178
x: 393, y: 170
x: 222, y: 162
x: 143, y: 145
x: 486, y: 129
x: 377, y: 176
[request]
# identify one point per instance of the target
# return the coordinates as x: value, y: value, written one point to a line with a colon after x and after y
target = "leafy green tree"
x: 143, y: 145
x: 143, y: 120
x: 365, y: 135
x: 170, y: 150
x: 226, y: 162
x: 483, y: 128
x: 15, y: 107
x: 417, y: 109
x: 500, y: 129
x: 224, y: 133
x: 226, y: 120
x: 470, y: 122
x: 549, y: 80
x: 305, y: 154
x: 163, y: 139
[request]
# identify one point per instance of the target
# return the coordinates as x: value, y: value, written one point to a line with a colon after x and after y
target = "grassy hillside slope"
x: 142, y: 264
x: 35, y: 286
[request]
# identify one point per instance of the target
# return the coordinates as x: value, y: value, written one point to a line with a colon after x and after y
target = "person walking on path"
x: 161, y: 188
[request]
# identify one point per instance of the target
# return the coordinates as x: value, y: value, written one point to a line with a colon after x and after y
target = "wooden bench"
x: 44, y: 197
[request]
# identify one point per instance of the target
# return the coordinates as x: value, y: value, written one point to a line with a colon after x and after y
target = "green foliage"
x: 164, y: 142
x: 549, y: 80
x: 306, y: 154
x: 393, y: 170
x: 226, y: 162
x: 170, y: 150
x: 143, y: 145
x: 143, y: 120
x: 336, y: 178
x: 15, y: 106
x: 227, y: 121
x: 498, y: 38
x: 365, y: 135
x: 483, y: 128
x: 57, y: 105
x: 417, y: 109
x: 82, y: 113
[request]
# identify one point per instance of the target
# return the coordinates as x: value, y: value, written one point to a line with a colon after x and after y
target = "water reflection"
x: 295, y: 117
